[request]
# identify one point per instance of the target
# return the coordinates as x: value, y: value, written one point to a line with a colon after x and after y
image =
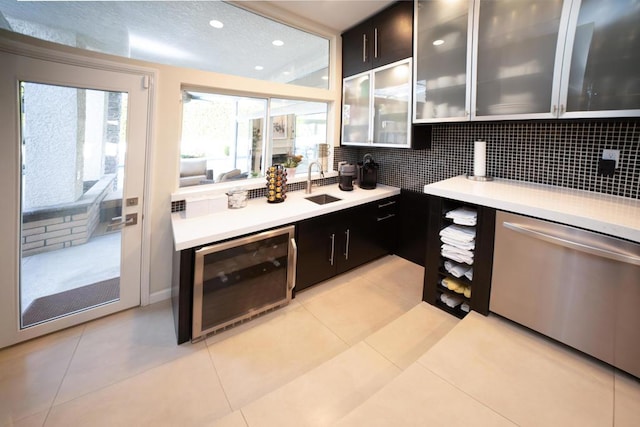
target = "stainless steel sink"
x: 322, y: 199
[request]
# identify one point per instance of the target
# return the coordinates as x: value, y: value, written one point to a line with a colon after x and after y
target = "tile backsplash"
x: 561, y: 153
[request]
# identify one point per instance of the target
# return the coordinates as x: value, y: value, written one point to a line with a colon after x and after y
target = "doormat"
x: 60, y: 304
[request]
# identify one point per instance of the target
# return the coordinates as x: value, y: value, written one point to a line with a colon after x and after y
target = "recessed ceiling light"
x: 277, y: 43
x: 216, y: 24
x: 259, y: 67
x: 438, y: 42
x: 286, y: 73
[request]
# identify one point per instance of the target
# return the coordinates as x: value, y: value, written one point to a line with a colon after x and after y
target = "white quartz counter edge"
x: 612, y: 215
x: 259, y: 215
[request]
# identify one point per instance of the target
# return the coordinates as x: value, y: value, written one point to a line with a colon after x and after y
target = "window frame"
x: 258, y: 182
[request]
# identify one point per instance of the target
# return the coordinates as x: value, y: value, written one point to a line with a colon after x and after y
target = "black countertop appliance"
x: 368, y: 173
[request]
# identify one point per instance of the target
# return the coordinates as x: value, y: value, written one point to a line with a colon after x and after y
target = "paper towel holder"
x: 479, y: 178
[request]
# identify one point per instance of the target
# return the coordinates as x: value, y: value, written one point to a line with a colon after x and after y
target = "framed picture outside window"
x: 279, y: 127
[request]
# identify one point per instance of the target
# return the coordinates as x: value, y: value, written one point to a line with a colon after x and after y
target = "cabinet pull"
x: 364, y: 48
x: 333, y: 247
x: 386, y: 217
x: 389, y: 203
x: 346, y: 246
x: 375, y: 43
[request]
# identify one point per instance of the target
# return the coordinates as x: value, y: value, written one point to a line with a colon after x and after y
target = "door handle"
x: 389, y: 203
x: 117, y: 222
x: 375, y: 43
x: 333, y: 247
x: 364, y: 48
x: 346, y: 246
x: 385, y: 217
x: 293, y: 261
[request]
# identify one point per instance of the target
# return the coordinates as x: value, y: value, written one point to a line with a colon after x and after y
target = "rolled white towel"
x: 469, y: 274
x: 465, y: 307
x: 459, y: 232
x: 468, y: 246
x: 463, y: 216
x: 453, y: 301
x: 456, y: 269
x: 456, y: 254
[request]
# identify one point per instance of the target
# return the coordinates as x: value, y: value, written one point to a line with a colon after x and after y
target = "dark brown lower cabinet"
x: 327, y: 245
x: 334, y: 243
x: 482, y: 261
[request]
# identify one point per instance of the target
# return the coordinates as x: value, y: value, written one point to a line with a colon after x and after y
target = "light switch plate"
x: 612, y: 155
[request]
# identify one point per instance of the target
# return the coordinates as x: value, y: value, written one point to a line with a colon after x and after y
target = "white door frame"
x: 9, y: 263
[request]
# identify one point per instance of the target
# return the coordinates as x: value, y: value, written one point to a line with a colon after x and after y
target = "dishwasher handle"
x: 560, y: 241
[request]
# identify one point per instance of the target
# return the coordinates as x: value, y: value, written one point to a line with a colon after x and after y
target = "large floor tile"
x: 43, y: 342
x: 325, y: 394
x: 267, y: 356
x: 234, y: 419
x: 112, y: 350
x: 399, y: 276
x: 627, y: 400
x: 358, y: 309
x: 528, y: 379
x: 417, y: 397
x: 408, y: 337
x: 29, y: 380
x: 184, y: 392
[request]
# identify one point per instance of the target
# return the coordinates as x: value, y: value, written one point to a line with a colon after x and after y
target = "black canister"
x: 368, y: 173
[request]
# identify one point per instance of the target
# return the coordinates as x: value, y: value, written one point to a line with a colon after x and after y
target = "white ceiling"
x: 177, y: 32
x: 337, y: 15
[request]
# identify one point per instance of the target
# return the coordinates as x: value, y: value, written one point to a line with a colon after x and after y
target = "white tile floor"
x: 359, y: 350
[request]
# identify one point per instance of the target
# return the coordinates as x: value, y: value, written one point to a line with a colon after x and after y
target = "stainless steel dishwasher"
x: 578, y: 287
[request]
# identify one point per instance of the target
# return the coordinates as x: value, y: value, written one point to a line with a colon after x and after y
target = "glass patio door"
x: 78, y: 138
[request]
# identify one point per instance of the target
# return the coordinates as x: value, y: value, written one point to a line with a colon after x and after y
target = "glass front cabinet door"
x: 377, y: 107
x: 518, y: 49
x: 603, y: 58
x: 442, y: 60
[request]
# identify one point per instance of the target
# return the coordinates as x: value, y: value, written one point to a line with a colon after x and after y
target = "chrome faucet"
x: 308, y: 189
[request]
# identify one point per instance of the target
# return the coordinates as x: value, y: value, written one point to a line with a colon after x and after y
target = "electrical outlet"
x: 612, y: 155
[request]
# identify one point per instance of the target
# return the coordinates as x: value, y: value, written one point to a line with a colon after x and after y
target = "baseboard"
x: 160, y: 296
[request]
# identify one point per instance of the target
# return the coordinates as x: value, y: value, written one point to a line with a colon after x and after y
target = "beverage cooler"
x: 242, y: 278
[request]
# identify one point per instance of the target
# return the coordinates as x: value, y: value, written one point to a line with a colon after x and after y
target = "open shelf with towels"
x: 459, y: 256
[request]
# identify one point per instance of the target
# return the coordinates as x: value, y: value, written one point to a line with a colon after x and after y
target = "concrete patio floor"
x: 56, y: 271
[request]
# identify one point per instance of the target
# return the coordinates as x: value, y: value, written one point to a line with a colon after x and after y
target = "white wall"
x: 165, y: 138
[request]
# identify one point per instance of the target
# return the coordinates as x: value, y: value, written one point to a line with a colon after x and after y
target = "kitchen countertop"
x: 259, y: 215
x: 612, y: 215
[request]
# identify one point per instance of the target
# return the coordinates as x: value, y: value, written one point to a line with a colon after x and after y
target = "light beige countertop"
x: 612, y: 215
x: 259, y: 215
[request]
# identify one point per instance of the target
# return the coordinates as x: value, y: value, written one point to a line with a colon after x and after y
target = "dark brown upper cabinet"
x: 382, y: 39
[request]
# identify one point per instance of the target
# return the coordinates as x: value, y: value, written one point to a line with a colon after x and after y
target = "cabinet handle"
x: 389, y: 203
x: 386, y: 217
x: 375, y: 43
x: 333, y: 247
x: 346, y: 246
x: 364, y: 48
